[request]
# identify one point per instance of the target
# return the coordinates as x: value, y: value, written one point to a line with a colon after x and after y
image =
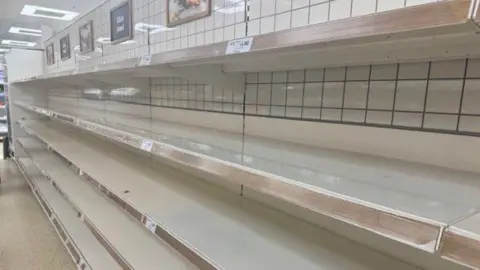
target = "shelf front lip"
x: 63, y: 233
x: 190, y: 253
x: 408, y: 229
x: 416, y: 21
x: 461, y: 247
x: 108, y: 247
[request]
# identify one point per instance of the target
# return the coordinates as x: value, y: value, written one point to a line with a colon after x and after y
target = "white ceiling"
x: 10, y: 16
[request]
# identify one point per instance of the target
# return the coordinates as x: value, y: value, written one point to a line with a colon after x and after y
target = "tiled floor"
x: 27, y: 239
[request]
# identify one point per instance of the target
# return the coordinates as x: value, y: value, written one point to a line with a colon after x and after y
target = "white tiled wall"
x: 226, y: 22
x: 274, y: 15
x: 230, y: 19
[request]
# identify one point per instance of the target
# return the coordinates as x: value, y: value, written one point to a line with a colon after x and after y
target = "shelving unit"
x: 79, y: 240
x: 376, y: 189
x: 164, y: 174
x: 214, y: 212
x: 109, y: 225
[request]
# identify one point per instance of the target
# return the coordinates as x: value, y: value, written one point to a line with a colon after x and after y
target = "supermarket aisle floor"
x: 27, y: 239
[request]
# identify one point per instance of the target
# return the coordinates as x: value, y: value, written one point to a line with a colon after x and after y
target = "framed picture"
x: 121, y: 22
x: 65, y: 47
x: 85, y: 33
x: 182, y: 11
x: 50, y: 54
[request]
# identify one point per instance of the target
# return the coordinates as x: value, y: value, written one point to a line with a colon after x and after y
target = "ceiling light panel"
x: 25, y: 31
x: 18, y: 43
x: 152, y: 28
x: 50, y: 13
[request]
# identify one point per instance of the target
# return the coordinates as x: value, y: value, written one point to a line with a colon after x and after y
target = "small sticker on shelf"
x: 239, y: 45
x: 146, y: 145
x: 150, y: 224
x: 145, y: 60
x: 80, y: 172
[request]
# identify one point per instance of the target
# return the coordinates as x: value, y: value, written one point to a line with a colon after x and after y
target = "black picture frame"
x: 65, y: 52
x: 85, y: 37
x: 175, y: 9
x: 50, y: 54
x: 121, y: 18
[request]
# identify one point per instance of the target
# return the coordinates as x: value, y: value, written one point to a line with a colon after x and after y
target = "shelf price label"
x: 147, y: 145
x: 239, y: 45
x: 150, y: 224
x: 144, y: 60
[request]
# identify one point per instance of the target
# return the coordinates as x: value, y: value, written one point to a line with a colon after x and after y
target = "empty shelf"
x: 134, y: 246
x: 413, y: 201
x: 292, y: 46
x: 76, y: 234
x: 223, y: 228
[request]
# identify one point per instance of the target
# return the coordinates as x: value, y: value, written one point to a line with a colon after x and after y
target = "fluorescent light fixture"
x: 25, y: 31
x: 104, y: 40
x: 50, y: 13
x: 154, y: 28
x: 131, y: 41
x: 18, y: 43
x: 82, y: 57
x: 92, y: 91
x: 4, y: 50
x: 125, y: 91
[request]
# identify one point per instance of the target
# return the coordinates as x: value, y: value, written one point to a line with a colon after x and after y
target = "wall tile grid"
x: 180, y: 93
x: 438, y: 96
x: 230, y: 19
x: 428, y: 95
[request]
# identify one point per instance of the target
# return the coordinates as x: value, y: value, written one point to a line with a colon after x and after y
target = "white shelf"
x: 427, y: 196
x: 131, y: 244
x: 249, y: 234
x: 79, y: 236
x: 402, y: 34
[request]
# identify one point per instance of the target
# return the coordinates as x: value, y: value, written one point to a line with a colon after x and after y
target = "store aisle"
x: 27, y: 239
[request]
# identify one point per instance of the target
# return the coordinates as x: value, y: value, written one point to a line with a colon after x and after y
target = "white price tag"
x: 80, y: 172
x: 239, y: 45
x: 150, y: 224
x: 147, y: 145
x: 145, y: 60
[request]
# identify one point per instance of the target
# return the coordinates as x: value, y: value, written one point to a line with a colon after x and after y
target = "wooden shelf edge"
x: 461, y: 248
